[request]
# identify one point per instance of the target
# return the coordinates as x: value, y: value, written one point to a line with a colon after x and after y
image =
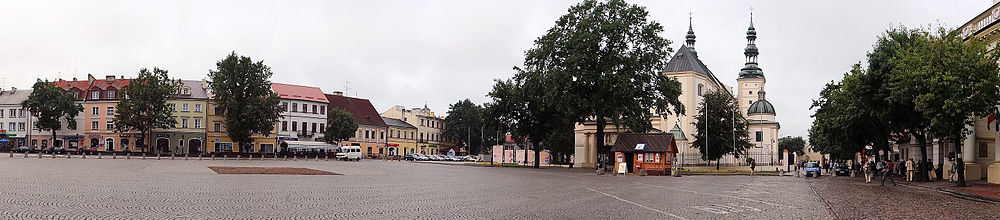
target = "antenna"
x: 347, y: 87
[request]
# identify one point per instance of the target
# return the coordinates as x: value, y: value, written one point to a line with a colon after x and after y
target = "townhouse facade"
x: 189, y: 107
x: 14, y: 119
x: 429, y: 128
x: 218, y: 140
x: 402, y: 137
x: 371, y: 133
x: 304, y: 116
x: 95, y: 125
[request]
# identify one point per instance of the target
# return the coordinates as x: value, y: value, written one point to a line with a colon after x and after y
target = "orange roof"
x: 85, y: 86
x: 297, y: 92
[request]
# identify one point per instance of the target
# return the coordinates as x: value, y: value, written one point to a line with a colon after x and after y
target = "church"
x: 696, y: 80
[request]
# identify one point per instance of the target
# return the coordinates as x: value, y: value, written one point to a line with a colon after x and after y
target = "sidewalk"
x: 976, y: 190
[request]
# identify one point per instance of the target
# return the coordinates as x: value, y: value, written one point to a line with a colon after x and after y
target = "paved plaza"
x: 118, y: 188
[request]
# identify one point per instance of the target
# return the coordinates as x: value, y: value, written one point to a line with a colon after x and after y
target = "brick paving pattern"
x: 852, y: 198
x: 157, y: 189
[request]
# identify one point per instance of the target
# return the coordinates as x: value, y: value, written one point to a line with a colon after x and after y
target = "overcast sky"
x: 435, y: 52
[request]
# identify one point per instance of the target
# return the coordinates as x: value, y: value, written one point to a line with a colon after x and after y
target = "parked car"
x: 89, y: 150
x: 436, y: 158
x: 454, y: 158
x: 840, y: 169
x: 420, y: 157
x: 471, y: 158
x: 59, y: 149
x: 23, y: 149
x: 812, y: 169
x: 349, y: 153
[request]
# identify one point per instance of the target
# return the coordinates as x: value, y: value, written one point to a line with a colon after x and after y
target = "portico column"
x: 994, y: 170
x: 972, y: 170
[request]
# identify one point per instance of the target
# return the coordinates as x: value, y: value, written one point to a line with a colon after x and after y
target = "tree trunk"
x: 599, y: 139
x: 717, y: 166
x: 958, y: 161
x: 537, y: 148
x: 53, y: 139
x: 922, y: 141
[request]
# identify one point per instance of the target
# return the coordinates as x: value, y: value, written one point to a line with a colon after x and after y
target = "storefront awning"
x: 310, y: 145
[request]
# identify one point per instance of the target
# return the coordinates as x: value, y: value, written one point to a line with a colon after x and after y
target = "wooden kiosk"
x: 651, y: 152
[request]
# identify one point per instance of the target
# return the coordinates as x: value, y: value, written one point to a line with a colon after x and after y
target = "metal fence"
x: 762, y: 159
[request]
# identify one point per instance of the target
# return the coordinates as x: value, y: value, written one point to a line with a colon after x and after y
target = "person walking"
x: 753, y: 165
x: 909, y: 170
x: 869, y: 171
x: 887, y: 174
x: 953, y: 172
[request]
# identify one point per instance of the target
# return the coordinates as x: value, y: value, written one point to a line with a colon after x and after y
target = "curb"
x: 958, y: 194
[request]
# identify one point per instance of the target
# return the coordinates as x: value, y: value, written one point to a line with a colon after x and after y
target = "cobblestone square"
x: 131, y: 188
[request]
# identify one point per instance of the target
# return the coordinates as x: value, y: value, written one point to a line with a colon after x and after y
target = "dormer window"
x: 95, y: 95
x: 111, y: 94
x: 186, y: 91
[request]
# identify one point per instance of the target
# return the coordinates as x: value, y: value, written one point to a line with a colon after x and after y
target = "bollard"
x: 171, y: 156
x: 317, y: 157
x: 286, y: 157
x: 114, y: 156
x: 11, y: 154
x: 25, y: 154
x: 143, y: 156
x: 53, y: 154
x: 327, y: 158
x: 83, y: 155
x: 186, y: 157
x: 237, y: 157
x: 100, y: 155
x: 128, y: 156
x: 67, y: 155
x: 39, y: 155
x: 225, y: 157
x: 157, y: 156
x: 199, y: 156
x: 213, y: 156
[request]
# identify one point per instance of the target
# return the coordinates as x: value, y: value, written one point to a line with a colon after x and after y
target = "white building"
x: 304, y: 118
x: 15, y: 123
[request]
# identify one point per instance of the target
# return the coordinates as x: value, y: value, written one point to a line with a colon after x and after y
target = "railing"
x: 761, y: 159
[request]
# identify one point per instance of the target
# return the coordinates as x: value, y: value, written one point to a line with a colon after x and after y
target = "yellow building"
x: 980, y: 150
x: 188, y: 107
x: 402, y: 137
x: 219, y: 141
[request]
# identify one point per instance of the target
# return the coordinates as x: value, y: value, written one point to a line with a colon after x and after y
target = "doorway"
x: 629, y: 161
x: 162, y: 145
x: 194, y: 146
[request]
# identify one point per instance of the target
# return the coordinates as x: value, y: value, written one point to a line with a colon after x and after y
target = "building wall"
x: 372, y: 139
x: 298, y: 112
x: 189, y: 129
x: 429, y: 127
x: 404, y: 138
x: 747, y: 94
x: 16, y: 125
x: 218, y: 140
x: 100, y: 131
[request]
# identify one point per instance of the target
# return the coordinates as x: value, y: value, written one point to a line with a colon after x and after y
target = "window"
x: 295, y: 107
x: 111, y: 111
x: 421, y: 136
x: 381, y: 135
x: 421, y: 122
x: 184, y: 107
x: 284, y: 125
x: 20, y: 126
x: 197, y: 107
x: 184, y: 123
x: 314, y: 127
x: 412, y: 135
x: 95, y: 95
x: 699, y: 89
x: 197, y: 123
x: 93, y: 111
x: 366, y: 134
x: 314, y: 109
x: 218, y: 126
x: 111, y: 94
x: 172, y: 106
x: 295, y: 126
x: 1, y: 114
x: 322, y: 109
x: 223, y: 147
x: 93, y: 126
x: 984, y: 150
x: 23, y: 111
x: 760, y: 136
x: 305, y: 126
x: 322, y: 128
x: 284, y: 105
x: 110, y: 125
x: 13, y: 113
x: 267, y: 148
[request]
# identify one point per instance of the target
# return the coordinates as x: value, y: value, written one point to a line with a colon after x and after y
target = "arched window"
x: 700, y: 86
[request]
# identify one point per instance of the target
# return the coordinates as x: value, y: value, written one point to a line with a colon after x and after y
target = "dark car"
x: 409, y: 157
x: 23, y: 149
x: 840, y: 169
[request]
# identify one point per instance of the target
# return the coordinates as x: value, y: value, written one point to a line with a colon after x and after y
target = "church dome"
x: 761, y: 107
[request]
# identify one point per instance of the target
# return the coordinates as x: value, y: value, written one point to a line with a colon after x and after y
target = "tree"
x: 851, y: 115
x: 721, y: 124
x: 145, y: 107
x: 531, y: 113
x: 242, y: 91
x: 340, y: 126
x: 49, y: 104
x: 465, y: 122
x: 792, y: 144
x: 594, y: 56
x: 951, y: 83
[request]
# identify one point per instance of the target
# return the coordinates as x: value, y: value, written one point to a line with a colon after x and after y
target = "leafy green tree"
x: 721, y: 124
x: 340, y: 126
x: 242, y: 91
x: 850, y: 116
x: 580, y: 70
x: 465, y: 122
x: 527, y: 110
x: 951, y: 82
x: 145, y: 107
x: 792, y: 144
x: 49, y: 104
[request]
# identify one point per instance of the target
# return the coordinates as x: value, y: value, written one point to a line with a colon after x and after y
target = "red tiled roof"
x: 362, y: 109
x: 102, y: 84
x: 654, y: 142
x: 304, y: 93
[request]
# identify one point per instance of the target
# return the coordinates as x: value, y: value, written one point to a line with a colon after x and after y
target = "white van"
x: 349, y: 153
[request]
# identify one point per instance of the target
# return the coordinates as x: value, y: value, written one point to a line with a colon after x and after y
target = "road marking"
x: 714, y: 194
x: 637, y: 204
x: 722, y: 209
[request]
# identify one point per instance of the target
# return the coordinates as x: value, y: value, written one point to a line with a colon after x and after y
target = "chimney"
x: 109, y: 77
x: 74, y: 79
x: 338, y: 93
x: 13, y: 90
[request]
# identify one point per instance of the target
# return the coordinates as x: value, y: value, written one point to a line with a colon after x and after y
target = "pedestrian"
x: 909, y: 170
x: 797, y: 164
x: 887, y: 174
x: 869, y: 171
x: 753, y: 164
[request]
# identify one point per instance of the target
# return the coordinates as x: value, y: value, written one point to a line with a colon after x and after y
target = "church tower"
x: 751, y: 77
